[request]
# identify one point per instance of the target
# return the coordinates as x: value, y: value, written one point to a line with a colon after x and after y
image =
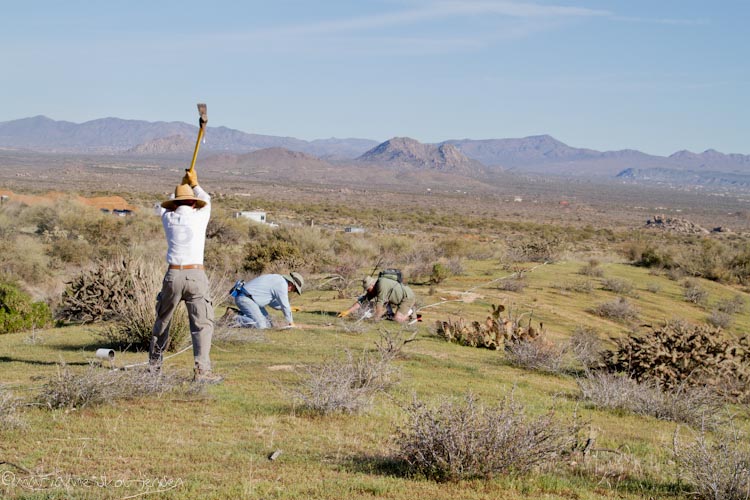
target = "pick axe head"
x: 204, y: 115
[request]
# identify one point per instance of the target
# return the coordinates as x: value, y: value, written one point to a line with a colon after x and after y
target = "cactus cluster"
x: 493, y: 333
x: 97, y: 294
x: 681, y: 353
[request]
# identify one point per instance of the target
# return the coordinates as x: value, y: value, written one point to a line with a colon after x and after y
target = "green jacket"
x: 388, y: 291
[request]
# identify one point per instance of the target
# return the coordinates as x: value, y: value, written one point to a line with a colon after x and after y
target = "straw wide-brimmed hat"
x: 183, y: 192
x: 368, y: 281
x: 295, y: 279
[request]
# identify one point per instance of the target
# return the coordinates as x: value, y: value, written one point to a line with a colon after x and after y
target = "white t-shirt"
x: 185, y: 228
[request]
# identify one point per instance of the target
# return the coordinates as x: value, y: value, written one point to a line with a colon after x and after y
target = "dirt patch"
x: 466, y: 297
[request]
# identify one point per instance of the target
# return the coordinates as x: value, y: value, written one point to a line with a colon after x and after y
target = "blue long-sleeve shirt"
x: 271, y: 290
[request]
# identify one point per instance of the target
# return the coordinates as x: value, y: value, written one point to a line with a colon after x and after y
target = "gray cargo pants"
x: 190, y: 285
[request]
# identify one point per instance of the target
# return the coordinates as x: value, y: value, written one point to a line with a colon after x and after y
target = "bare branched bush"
x: 583, y: 286
x: 535, y: 249
x: 347, y: 385
x: 392, y: 341
x: 617, y: 310
x: 694, y: 293
x: 96, y: 385
x: 719, y: 319
x: 692, y: 405
x: 718, y: 469
x: 10, y: 410
x: 465, y: 440
x: 592, y: 269
x: 585, y: 346
x: 536, y: 354
x: 734, y: 305
x: 512, y: 285
x: 618, y: 286
x: 653, y: 287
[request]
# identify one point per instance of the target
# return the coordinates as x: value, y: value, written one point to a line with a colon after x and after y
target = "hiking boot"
x: 206, y: 377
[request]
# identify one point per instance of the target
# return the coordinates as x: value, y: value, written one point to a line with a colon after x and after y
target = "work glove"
x: 295, y: 309
x: 343, y: 314
x: 191, y: 178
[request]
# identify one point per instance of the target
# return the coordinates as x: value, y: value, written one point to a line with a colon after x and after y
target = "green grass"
x: 216, y: 446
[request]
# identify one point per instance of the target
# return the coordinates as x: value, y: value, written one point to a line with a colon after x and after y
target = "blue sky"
x: 653, y: 75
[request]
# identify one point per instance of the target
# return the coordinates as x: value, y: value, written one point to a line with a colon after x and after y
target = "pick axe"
x: 201, y: 132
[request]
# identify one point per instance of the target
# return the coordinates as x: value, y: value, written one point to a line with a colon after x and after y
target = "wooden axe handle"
x: 201, y: 132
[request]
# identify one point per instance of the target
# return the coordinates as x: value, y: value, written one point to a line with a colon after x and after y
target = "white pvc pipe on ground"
x: 106, y: 354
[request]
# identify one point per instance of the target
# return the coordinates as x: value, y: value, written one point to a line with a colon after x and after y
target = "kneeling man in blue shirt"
x: 270, y: 290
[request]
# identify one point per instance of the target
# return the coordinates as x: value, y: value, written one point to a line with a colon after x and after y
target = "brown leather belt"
x: 186, y: 266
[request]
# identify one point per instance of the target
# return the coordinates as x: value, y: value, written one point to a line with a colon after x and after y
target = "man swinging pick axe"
x: 185, y: 217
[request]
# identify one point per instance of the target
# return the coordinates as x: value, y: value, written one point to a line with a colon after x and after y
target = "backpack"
x: 391, y: 274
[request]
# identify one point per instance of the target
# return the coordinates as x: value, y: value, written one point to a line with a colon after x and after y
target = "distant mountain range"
x: 542, y: 155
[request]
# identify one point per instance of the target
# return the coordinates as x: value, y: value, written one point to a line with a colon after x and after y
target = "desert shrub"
x: 618, y: 310
x: 512, y: 285
x: 680, y: 353
x: 346, y: 385
x: 585, y: 346
x: 454, y: 247
x: 227, y: 259
x: 96, y: 385
x: 693, y: 405
x: 653, y: 287
x: 707, y: 258
x: 259, y: 255
x: 345, y: 276
x: 288, y: 248
x: 675, y: 274
x: 618, y: 286
x: 582, y: 286
x: 18, y: 312
x: 719, y: 319
x: 536, y: 354
x: 440, y: 273
x: 592, y: 269
x: 349, y: 245
x: 10, y: 410
x: 23, y: 258
x: 225, y: 230
x: 694, y: 293
x: 716, y: 468
x: 731, y: 306
x: 396, y: 248
x: 533, y: 248
x: 465, y: 440
x: 71, y: 251
x: 648, y: 254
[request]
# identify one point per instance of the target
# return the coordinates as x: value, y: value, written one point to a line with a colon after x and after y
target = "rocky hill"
x: 175, y: 144
x: 406, y: 153
x: 114, y: 135
x: 540, y: 155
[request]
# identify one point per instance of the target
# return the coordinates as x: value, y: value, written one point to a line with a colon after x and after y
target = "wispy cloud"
x: 522, y: 18
x: 676, y: 22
